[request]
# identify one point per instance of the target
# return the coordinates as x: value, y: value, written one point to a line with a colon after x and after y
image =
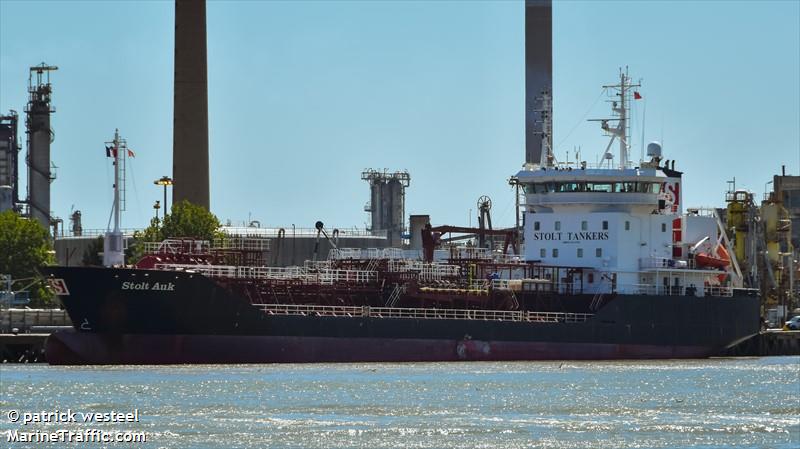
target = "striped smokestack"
x: 190, y: 126
x: 538, y: 71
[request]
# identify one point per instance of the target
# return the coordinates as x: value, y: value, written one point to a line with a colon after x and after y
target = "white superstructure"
x: 621, y: 226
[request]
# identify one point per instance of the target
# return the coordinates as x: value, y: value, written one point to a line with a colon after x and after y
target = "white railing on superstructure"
x: 702, y: 211
x: 509, y: 258
x: 505, y: 284
x: 471, y: 288
x: 424, y: 313
x: 189, y: 246
x: 328, y: 276
x: 427, y: 271
x: 665, y: 262
x: 469, y: 252
x: 675, y: 290
x: 324, y: 277
x: 370, y: 253
x: 283, y: 273
x: 604, y: 287
x: 357, y: 276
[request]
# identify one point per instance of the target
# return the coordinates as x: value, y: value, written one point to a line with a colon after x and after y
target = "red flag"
x: 131, y: 153
x: 636, y: 95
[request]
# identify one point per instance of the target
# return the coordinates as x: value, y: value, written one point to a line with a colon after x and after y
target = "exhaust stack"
x: 538, y: 75
x: 190, y: 126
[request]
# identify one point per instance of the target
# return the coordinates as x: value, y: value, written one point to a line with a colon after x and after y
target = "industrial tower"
x: 9, y: 153
x: 40, y: 136
x: 387, y: 206
x: 538, y: 75
x: 190, y: 127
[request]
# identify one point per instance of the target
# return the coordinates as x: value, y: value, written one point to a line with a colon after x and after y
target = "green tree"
x: 187, y: 220
x: 25, y: 246
x: 184, y: 220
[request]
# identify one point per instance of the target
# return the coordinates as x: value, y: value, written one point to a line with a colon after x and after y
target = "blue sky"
x: 305, y: 95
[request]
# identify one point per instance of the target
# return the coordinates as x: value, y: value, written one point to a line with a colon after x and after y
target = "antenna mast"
x: 547, y: 158
x: 113, y: 244
x: 619, y: 108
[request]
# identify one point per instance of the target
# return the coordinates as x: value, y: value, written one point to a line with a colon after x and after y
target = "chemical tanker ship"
x: 612, y: 268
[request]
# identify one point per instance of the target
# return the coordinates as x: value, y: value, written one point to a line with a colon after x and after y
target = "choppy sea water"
x: 716, y: 403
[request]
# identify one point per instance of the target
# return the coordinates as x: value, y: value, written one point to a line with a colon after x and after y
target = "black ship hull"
x: 126, y: 316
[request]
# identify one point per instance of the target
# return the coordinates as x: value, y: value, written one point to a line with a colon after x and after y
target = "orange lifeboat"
x: 721, y: 260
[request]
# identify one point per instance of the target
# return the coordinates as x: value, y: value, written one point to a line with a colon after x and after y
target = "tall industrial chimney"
x: 190, y: 127
x: 40, y: 135
x: 538, y: 73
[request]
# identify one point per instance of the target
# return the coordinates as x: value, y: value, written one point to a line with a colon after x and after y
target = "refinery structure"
x: 759, y: 238
x: 38, y: 137
x: 765, y: 237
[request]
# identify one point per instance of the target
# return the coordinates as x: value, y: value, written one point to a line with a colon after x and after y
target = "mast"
x: 623, y: 120
x: 116, y: 180
x: 547, y: 159
x: 113, y: 245
x: 619, y: 108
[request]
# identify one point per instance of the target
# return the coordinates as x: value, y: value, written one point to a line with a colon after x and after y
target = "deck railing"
x: 189, y: 246
x: 427, y: 271
x: 435, y: 283
x: 424, y: 313
x: 676, y: 290
x: 666, y: 263
x: 324, y: 277
x: 368, y: 253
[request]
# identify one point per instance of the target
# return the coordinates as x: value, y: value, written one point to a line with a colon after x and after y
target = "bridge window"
x: 571, y: 187
x: 663, y: 227
x: 542, y: 253
x: 600, y: 187
x: 627, y: 225
x: 653, y: 187
x: 598, y: 252
x: 608, y: 187
x: 580, y: 252
x: 558, y: 226
x: 535, y: 225
x: 605, y: 225
x: 584, y: 225
x: 555, y: 252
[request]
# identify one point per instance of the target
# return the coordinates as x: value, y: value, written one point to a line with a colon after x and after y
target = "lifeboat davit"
x: 721, y: 260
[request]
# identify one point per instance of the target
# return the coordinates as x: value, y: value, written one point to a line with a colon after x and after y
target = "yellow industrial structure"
x: 765, y: 242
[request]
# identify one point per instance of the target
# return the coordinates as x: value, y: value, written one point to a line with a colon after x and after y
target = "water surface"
x: 716, y: 403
